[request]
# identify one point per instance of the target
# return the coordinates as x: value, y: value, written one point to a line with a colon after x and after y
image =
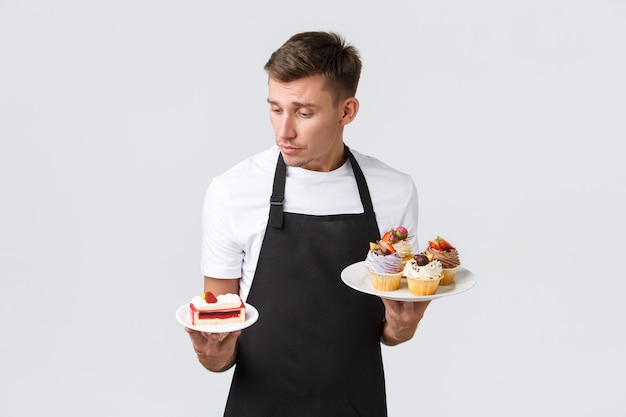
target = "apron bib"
x: 315, y: 350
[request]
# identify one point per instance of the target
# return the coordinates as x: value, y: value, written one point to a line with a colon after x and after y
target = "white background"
x: 115, y: 115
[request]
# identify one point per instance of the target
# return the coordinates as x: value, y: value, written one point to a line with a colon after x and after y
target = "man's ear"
x: 350, y: 107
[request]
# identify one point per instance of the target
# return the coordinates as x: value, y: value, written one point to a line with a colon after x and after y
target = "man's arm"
x: 216, y: 351
x: 401, y: 320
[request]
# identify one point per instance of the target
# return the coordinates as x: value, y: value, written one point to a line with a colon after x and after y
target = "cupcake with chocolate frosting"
x: 444, y: 252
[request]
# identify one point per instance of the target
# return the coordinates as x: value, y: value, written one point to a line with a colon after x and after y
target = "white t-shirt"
x: 236, y: 207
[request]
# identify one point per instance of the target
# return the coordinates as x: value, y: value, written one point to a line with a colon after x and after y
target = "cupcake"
x: 447, y: 254
x: 423, y: 275
x: 398, y: 238
x: 384, y: 265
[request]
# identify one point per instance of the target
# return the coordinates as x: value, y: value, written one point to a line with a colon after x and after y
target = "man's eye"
x: 277, y: 111
x: 305, y: 114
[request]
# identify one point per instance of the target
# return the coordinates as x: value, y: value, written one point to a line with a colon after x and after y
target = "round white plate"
x: 357, y: 277
x: 183, y: 315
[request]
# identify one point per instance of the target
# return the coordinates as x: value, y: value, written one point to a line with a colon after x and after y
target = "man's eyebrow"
x: 295, y: 104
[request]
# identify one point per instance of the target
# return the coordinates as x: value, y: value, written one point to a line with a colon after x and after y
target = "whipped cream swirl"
x: 223, y: 301
x: 403, y: 248
x: 384, y: 264
x: 432, y: 270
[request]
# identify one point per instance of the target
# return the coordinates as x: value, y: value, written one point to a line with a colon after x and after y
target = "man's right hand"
x: 216, y: 351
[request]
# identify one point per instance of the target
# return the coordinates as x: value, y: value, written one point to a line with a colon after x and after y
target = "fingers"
x: 405, y: 306
x: 420, y: 307
x: 405, y: 312
x: 202, y: 338
x: 205, y: 344
x: 224, y: 337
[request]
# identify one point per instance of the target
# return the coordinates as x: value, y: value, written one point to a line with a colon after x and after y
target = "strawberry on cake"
x: 209, y: 309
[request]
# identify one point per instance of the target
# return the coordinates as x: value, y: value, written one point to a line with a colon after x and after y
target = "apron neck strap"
x: 361, y: 183
x: 278, y: 194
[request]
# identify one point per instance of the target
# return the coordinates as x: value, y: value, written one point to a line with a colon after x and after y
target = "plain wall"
x: 114, y: 117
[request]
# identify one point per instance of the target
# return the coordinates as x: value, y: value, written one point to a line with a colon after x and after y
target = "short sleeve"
x: 221, y: 255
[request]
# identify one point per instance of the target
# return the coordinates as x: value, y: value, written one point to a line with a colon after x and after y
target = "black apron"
x: 315, y: 350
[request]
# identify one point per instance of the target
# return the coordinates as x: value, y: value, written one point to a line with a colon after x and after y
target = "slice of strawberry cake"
x: 209, y: 309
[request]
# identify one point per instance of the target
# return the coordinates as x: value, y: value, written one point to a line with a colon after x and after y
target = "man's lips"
x: 289, y: 150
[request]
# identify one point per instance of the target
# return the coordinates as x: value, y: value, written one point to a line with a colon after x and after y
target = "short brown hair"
x: 312, y: 53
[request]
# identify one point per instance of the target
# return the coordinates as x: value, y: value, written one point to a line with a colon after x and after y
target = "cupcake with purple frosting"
x: 385, y: 266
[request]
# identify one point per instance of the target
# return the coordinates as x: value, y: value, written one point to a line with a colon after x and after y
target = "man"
x: 315, y: 349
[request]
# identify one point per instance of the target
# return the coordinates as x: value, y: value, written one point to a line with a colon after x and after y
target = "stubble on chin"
x: 296, y: 162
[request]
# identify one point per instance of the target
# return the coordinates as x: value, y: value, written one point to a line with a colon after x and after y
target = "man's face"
x: 307, y: 126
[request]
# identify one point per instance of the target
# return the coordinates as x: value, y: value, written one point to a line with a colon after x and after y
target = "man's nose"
x: 287, y: 127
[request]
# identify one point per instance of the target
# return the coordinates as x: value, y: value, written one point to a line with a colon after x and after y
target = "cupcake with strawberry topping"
x: 398, y: 238
x: 384, y: 265
x: 447, y: 254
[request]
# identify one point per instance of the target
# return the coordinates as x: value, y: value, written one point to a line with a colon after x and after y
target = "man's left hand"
x: 401, y: 320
